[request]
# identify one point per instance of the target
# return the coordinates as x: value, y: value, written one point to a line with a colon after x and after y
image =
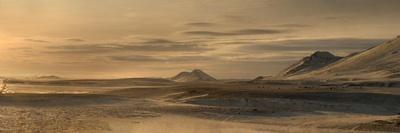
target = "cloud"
x: 75, y: 40
x: 206, y: 33
x: 81, y: 48
x: 349, y: 44
x: 235, y: 33
x: 37, y: 41
x: 165, y: 48
x: 200, y: 24
x: 154, y: 45
x: 236, y: 19
x: 192, y: 58
x: 294, y: 25
x: 158, y: 41
x: 143, y: 58
x: 135, y: 58
x: 257, y: 31
x: 264, y: 57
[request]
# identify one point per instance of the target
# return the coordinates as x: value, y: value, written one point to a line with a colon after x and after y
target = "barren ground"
x: 199, y: 108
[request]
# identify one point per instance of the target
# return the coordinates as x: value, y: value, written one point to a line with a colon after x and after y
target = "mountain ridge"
x: 380, y: 62
x: 317, y: 60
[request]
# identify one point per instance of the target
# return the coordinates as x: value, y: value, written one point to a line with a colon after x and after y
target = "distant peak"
x: 197, y: 70
x: 194, y: 75
x: 323, y: 54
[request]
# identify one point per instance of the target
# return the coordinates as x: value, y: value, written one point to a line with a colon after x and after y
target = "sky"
x: 160, y: 38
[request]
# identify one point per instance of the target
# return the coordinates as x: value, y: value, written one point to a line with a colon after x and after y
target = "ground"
x: 199, y: 108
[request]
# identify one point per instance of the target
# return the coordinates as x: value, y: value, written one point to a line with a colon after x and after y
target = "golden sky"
x: 159, y: 38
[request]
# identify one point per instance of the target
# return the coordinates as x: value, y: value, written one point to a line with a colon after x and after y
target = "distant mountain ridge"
x: 193, y: 76
x: 97, y: 82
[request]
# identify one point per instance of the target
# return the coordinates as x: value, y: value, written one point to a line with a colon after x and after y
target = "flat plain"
x: 213, y: 107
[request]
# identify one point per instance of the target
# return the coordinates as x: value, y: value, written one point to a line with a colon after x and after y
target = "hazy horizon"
x: 155, y: 38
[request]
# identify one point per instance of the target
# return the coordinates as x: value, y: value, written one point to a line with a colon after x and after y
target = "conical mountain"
x: 193, y: 76
x: 313, y: 62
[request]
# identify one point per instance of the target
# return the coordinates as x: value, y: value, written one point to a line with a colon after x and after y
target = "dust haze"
x: 187, y: 66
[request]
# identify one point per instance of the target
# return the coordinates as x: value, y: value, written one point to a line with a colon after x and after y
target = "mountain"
x: 195, y: 75
x: 381, y: 62
x: 313, y: 62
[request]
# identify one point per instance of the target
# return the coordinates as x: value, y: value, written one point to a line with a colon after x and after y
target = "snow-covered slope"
x: 195, y: 75
x: 313, y: 62
x: 381, y: 62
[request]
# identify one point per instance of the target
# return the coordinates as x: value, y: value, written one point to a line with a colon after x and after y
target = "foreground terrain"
x: 200, y: 107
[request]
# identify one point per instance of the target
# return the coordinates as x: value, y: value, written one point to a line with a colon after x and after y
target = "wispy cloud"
x: 201, y: 24
x: 135, y: 58
x: 154, y: 45
x: 144, y: 58
x: 348, y: 44
x: 37, y: 40
x: 74, y: 40
x: 236, y: 33
x: 294, y: 25
x: 158, y: 41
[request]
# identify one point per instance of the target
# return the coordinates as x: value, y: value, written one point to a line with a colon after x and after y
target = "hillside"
x: 381, y: 62
x: 313, y: 62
